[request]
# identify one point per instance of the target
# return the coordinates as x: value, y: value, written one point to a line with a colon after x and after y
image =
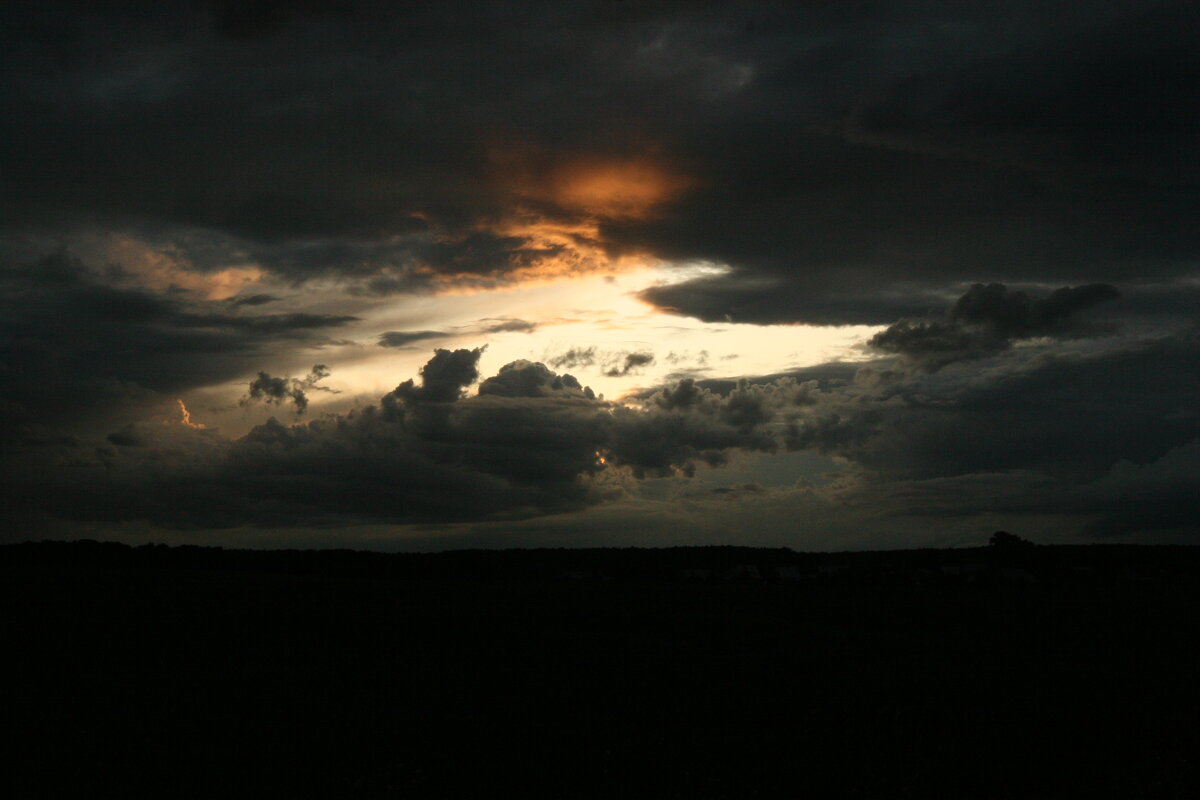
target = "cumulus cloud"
x: 1060, y: 430
x: 532, y: 379
x: 443, y: 379
x: 530, y: 442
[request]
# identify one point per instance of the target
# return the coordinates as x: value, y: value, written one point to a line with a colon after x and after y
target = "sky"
x: 820, y: 275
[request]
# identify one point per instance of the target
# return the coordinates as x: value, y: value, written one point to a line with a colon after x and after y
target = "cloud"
x: 253, y: 300
x: 507, y: 325
x: 631, y: 362
x: 1069, y: 412
x: 987, y: 319
x: 405, y: 338
x: 531, y: 379
x: 75, y: 347
x: 574, y: 357
x: 1097, y: 435
x: 276, y: 391
x: 1154, y: 496
x: 927, y: 145
x: 530, y: 442
x: 484, y: 326
x: 614, y: 364
x: 946, y: 165
x: 443, y: 380
x: 770, y: 300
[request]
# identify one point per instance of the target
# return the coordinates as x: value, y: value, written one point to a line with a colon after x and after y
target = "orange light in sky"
x: 556, y: 207
x: 162, y: 269
x: 186, y: 416
x: 551, y: 250
x: 614, y: 189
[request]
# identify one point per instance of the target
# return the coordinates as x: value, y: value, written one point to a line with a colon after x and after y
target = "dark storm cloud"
x: 1100, y: 432
x: 932, y: 145
x: 443, y: 380
x: 988, y: 318
x: 532, y: 379
x: 905, y: 148
x: 1097, y: 431
x: 766, y: 299
x: 1155, y: 496
x: 73, y: 346
x: 259, y: 19
x: 1067, y: 412
x: 531, y: 442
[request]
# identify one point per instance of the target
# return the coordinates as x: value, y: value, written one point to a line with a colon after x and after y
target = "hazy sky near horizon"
x: 811, y: 274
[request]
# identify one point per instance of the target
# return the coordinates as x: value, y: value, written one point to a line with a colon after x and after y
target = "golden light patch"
x: 550, y: 251
x: 614, y: 189
x: 556, y: 210
x: 585, y: 186
x: 162, y: 270
x: 186, y: 417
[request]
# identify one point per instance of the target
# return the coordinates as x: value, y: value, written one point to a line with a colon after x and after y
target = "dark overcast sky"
x: 253, y: 206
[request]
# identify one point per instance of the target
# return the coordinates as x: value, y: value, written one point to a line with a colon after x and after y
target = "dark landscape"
x: 1013, y: 670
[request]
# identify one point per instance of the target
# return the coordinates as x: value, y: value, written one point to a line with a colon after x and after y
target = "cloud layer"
x: 529, y: 442
x: 198, y: 199
x: 909, y: 147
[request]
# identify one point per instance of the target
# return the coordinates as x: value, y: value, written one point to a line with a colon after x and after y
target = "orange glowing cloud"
x: 162, y: 269
x: 615, y: 189
x: 186, y: 417
x: 585, y: 186
x: 556, y: 207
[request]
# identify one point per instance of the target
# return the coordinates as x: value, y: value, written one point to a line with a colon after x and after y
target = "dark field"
x: 1037, y: 672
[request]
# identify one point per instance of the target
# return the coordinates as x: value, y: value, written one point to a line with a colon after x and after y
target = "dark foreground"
x: 720, y: 672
